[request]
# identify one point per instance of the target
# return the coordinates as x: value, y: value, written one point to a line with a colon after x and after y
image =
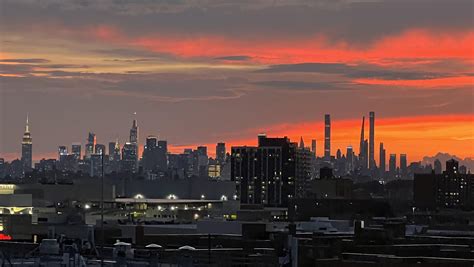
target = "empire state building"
x: 27, y: 148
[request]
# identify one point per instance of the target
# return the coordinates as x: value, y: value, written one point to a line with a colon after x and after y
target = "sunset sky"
x: 201, y: 72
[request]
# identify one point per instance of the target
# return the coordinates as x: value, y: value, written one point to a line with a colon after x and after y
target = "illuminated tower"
x: 27, y: 148
x: 327, y: 137
x: 90, y: 146
x: 371, y: 140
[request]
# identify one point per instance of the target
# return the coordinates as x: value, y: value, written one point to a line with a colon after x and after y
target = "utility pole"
x: 102, y: 214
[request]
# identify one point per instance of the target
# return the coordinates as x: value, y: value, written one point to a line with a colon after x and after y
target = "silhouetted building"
x: 220, y: 153
x: 134, y: 143
x: 90, y: 145
x: 76, y: 150
x: 100, y: 149
x: 27, y: 148
x: 382, y: 156
x: 162, y: 154
x: 363, y: 147
x: 114, y: 157
x: 265, y: 174
x: 304, y: 170
x: 325, y: 173
x: 349, y: 159
x: 96, y: 161
x: 245, y: 173
x: 462, y: 169
x: 313, y: 146
x: 327, y: 137
x: 62, y: 153
x: 2, y: 168
x: 448, y: 190
x: 403, y: 165
x: 392, y: 165
x: 129, y: 158
x: 372, y: 164
x: 150, y: 154
x: 438, y: 169
x: 329, y: 187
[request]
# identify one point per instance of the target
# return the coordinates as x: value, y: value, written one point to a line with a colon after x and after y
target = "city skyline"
x: 201, y: 73
x: 320, y: 151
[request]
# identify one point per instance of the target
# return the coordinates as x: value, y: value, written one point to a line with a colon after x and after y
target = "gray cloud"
x: 299, y: 85
x: 353, y: 71
x: 356, y: 21
x: 132, y: 53
x: 24, y: 60
x: 234, y: 58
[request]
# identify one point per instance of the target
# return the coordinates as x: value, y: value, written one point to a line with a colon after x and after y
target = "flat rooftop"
x: 166, y: 201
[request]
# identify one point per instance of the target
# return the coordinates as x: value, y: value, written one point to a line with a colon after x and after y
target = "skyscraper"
x: 438, y: 169
x: 313, y: 146
x: 76, y: 150
x: 129, y: 158
x: 362, y: 149
x: 267, y: 174
x: 150, y: 157
x: 134, y: 140
x: 90, y: 145
x: 372, y: 140
x: 220, y: 153
x: 62, y: 152
x: 162, y: 153
x: 403, y: 165
x: 100, y: 149
x: 304, y: 171
x: 114, y: 156
x: 350, y: 159
x: 111, y: 150
x: 382, y: 160
x: 392, y: 164
x: 27, y: 148
x: 327, y: 137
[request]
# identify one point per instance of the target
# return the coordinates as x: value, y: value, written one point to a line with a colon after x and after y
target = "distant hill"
x: 443, y: 157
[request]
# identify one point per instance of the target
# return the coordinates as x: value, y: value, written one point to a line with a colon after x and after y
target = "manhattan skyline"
x: 202, y: 73
x: 336, y: 144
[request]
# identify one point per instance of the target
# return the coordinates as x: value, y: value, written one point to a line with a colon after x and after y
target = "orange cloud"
x: 415, y: 43
x: 425, y: 83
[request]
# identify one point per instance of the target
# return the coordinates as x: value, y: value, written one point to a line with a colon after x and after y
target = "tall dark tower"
x: 134, y: 140
x: 327, y: 137
x: 372, y: 140
x: 362, y: 154
x: 220, y: 152
x: 134, y: 132
x: 382, y: 160
x: 90, y: 146
x: 27, y: 148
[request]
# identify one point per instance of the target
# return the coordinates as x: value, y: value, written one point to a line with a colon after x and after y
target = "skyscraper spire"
x: 27, y: 148
x: 361, y: 148
x: 301, y: 142
x: 134, y: 124
x: 27, y: 126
